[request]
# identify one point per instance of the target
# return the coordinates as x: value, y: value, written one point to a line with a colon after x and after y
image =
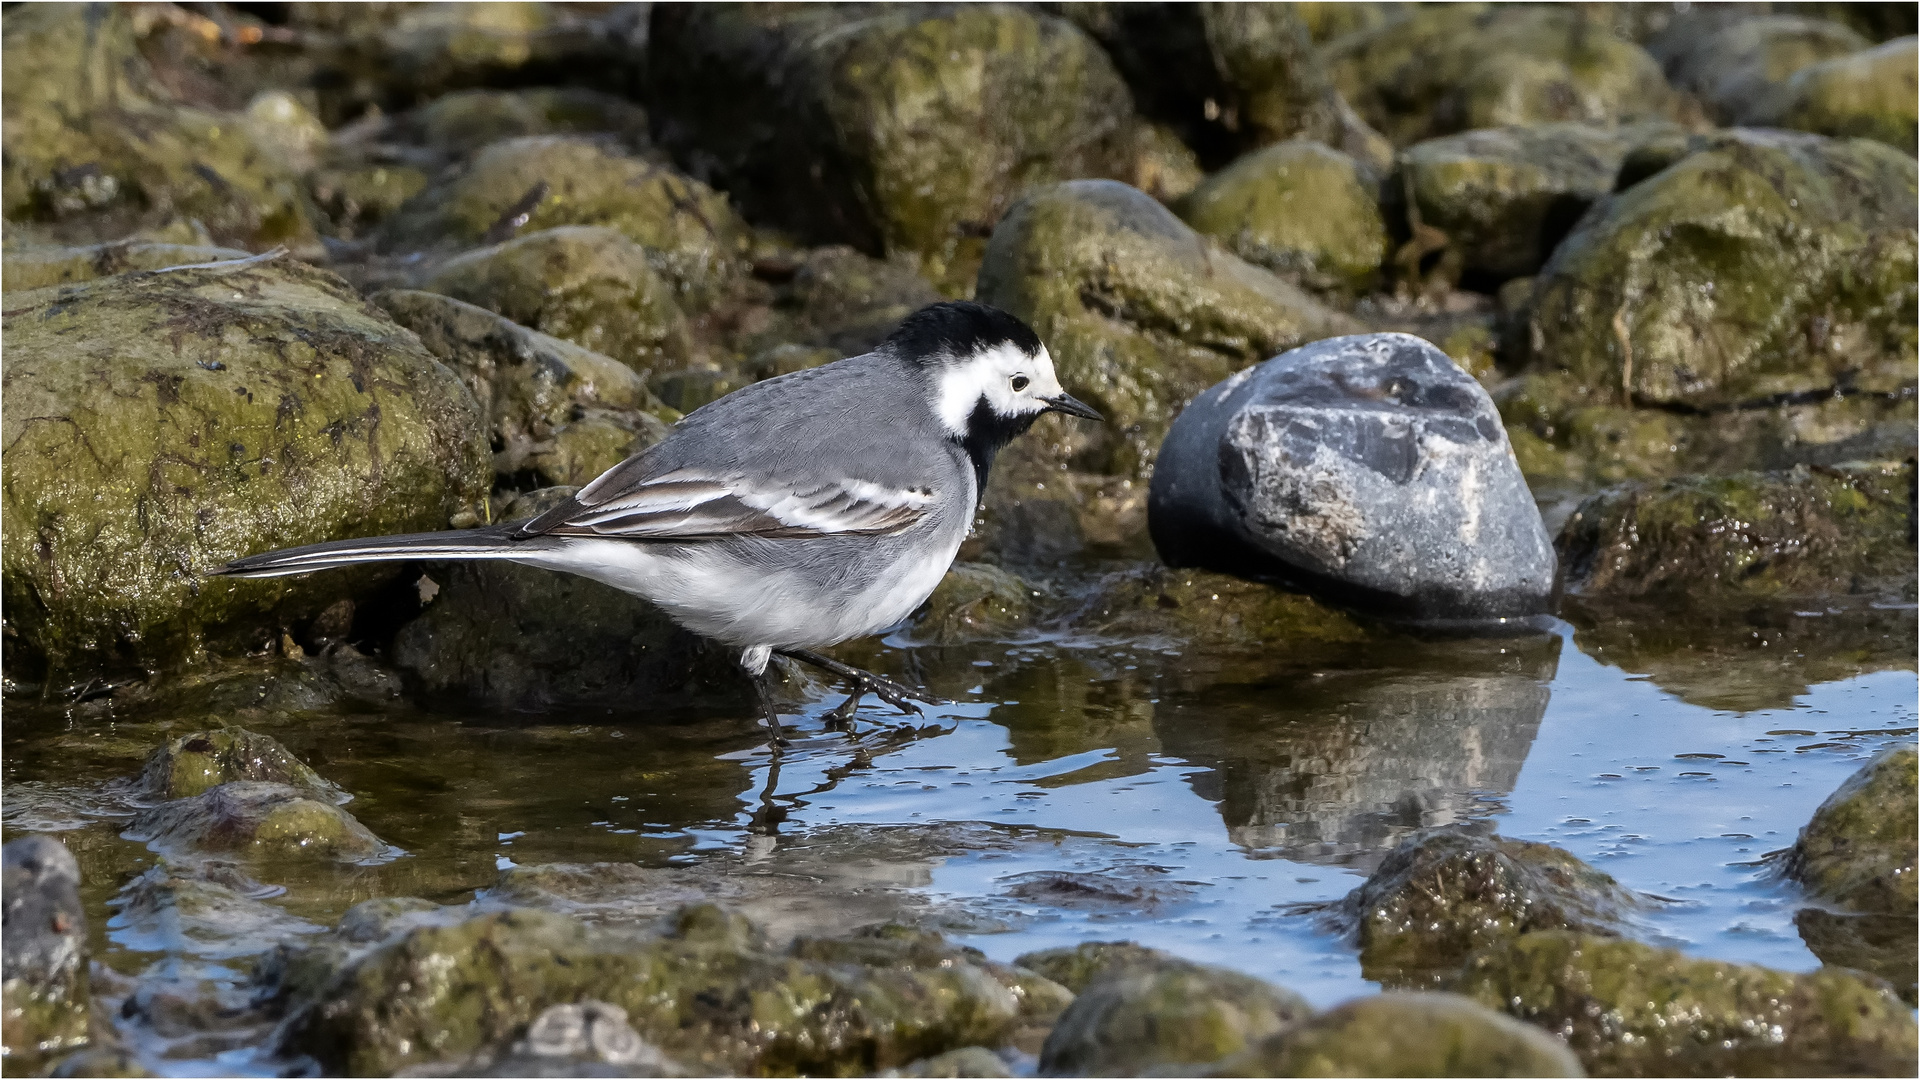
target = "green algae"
x: 1405, y: 1035
x: 1858, y: 851
x: 191, y: 764
x: 1868, y: 95
x: 1299, y: 209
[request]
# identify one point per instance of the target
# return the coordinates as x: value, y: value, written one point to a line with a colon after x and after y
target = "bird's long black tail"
x: 488, y: 543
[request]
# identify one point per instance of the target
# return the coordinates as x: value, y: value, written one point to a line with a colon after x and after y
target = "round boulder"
x: 1870, y: 94
x: 1300, y: 209
x: 1368, y: 469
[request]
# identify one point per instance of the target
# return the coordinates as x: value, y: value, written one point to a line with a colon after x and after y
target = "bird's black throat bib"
x: 987, y: 432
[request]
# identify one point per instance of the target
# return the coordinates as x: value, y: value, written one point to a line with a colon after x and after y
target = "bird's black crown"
x: 958, y: 329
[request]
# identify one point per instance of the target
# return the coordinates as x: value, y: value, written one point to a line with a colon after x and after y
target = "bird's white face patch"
x: 1013, y: 384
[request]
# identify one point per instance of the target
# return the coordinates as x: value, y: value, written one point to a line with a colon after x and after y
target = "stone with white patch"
x: 1367, y: 469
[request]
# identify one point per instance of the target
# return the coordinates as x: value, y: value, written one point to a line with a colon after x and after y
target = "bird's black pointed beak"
x: 1072, y: 406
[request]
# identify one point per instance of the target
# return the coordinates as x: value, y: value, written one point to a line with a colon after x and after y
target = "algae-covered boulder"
x: 1299, y: 209
x: 1858, y: 851
x: 564, y: 412
x: 691, y: 234
x: 1229, y: 77
x: 38, y: 267
x: 43, y: 998
x: 976, y: 601
x: 191, y: 764
x: 1146, y: 1014
x: 1806, y: 532
x: 1883, y: 945
x: 850, y: 302
x: 1503, y: 197
x: 1442, y: 895
x: 95, y: 142
x: 1439, y: 69
x: 1039, y: 1000
x: 707, y: 992
x: 160, y: 424
x: 1140, y: 313
x: 1215, y: 610
x: 903, y: 131
x: 517, y: 637
x: 1870, y: 95
x: 467, y: 121
x: 1760, y: 264
x: 1738, y: 69
x: 1405, y: 1035
x: 1078, y: 966
x: 589, y: 285
x: 1628, y: 1009
x: 258, y: 821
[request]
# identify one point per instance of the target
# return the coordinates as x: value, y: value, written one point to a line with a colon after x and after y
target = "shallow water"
x: 1079, y: 791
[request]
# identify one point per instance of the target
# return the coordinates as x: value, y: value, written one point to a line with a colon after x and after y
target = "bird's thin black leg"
x: 769, y: 712
x: 898, y: 695
x: 841, y: 718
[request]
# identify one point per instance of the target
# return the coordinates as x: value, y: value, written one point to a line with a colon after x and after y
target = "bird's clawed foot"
x: 841, y: 718
x: 899, y: 695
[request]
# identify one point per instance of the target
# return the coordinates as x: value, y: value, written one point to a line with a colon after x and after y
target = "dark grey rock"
x: 1367, y: 469
x: 1147, y: 1012
x: 45, y: 987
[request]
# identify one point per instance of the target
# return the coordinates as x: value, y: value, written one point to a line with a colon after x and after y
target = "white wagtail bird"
x: 792, y: 514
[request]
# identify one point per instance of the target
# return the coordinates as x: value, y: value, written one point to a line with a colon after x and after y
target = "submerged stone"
x: 1441, y: 896
x: 191, y: 764
x: 1761, y: 264
x: 1209, y: 610
x: 1628, y: 1009
x: 1370, y: 470
x: 1144, y: 1014
x: 43, y: 999
x: 260, y: 821
x: 1139, y: 312
x: 1405, y: 1035
x: 1806, y: 532
x: 1858, y: 851
x: 1299, y: 209
x: 588, y: 285
x: 922, y: 123
x: 160, y: 424
x: 706, y: 991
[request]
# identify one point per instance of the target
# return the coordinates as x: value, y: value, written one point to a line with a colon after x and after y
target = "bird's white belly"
x: 715, y: 592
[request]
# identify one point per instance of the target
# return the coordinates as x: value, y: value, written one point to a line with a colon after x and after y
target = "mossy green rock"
x: 921, y: 124
x: 94, y: 142
x: 707, y: 992
x: 564, y: 412
x: 1858, y: 851
x: 1171, y: 1013
x: 1800, y: 533
x: 850, y: 302
x: 1214, y: 610
x: 257, y: 821
x: 1628, y: 1009
x: 466, y: 121
x: 1441, y: 896
x: 1505, y: 196
x: 158, y: 425
x: 1738, y: 68
x: 1299, y: 209
x: 589, y: 285
x: 1139, y: 312
x: 976, y: 601
x: 1883, y: 945
x: 38, y: 267
x: 517, y: 637
x: 1405, y: 1035
x: 692, y: 237
x: 1077, y: 968
x: 893, y: 946
x: 1869, y: 94
x: 189, y: 765
x: 1454, y: 67
x: 1762, y: 263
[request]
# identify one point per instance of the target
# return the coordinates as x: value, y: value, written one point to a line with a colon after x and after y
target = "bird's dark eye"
x: 1019, y: 383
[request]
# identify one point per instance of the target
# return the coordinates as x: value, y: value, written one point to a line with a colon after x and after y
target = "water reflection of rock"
x: 1337, y: 766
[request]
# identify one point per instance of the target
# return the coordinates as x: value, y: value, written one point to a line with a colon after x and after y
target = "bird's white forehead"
x: 963, y: 381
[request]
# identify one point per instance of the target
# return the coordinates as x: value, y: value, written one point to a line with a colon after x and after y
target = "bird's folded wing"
x: 689, y: 504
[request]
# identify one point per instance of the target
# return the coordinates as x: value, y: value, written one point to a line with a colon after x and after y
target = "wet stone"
x: 1405, y: 1035
x: 1867, y: 95
x: 1369, y: 470
x: 587, y: 1038
x: 257, y: 821
x: 1139, y: 1015
x: 1300, y: 209
x: 43, y: 999
x: 191, y: 764
x: 1441, y: 896
x: 1884, y: 945
x: 205, y: 907
x: 1739, y: 70
x: 1628, y: 1009
x: 976, y: 601
x: 39, y: 267
x: 966, y: 1061
x: 1858, y: 851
